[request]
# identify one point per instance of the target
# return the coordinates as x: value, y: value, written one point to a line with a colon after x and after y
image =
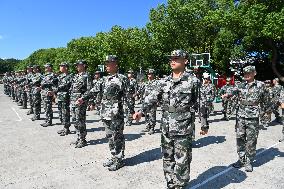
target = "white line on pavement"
x: 229, y: 168
x: 20, y: 119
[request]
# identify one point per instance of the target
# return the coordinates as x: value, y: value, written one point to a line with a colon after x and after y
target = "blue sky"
x: 28, y: 25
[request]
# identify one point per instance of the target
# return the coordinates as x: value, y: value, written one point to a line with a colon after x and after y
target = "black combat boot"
x: 65, y: 132
x: 118, y: 163
x: 81, y: 143
x: 109, y: 162
x: 30, y: 112
x: 248, y: 166
x: 240, y: 163
x: 46, y: 124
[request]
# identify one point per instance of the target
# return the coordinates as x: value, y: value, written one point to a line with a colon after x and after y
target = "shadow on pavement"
x: 128, y: 137
x: 233, y: 176
x: 96, y: 129
x: 147, y: 156
x: 93, y: 121
x: 267, y: 156
x: 208, y: 140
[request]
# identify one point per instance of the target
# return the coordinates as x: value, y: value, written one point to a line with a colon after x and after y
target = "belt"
x: 247, y: 103
x: 172, y: 109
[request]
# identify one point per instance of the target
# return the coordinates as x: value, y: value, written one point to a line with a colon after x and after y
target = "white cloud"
x: 1, y: 37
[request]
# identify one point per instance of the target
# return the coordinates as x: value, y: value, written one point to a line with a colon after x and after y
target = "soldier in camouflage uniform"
x: 11, y: 85
x: 227, y: 102
x: 179, y: 96
x: 63, y: 96
x: 282, y: 107
x: 36, y: 88
x: 48, y: 86
x: 28, y: 88
x: 265, y: 115
x: 81, y: 84
x: 96, y: 81
x: 276, y: 90
x: 113, y: 90
x: 5, y: 82
x: 150, y: 117
x: 252, y: 95
x: 207, y: 95
x: 131, y: 92
x: 22, y: 91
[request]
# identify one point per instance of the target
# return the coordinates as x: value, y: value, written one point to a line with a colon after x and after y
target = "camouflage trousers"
x: 48, y: 108
x: 227, y: 107
x: 130, y: 110
x: 30, y: 99
x: 177, y: 155
x: 36, y: 104
x: 151, y: 118
x: 64, y: 112
x: 204, y: 113
x: 80, y: 123
x: 247, y: 132
x: 265, y: 118
x: 275, y: 109
x: 114, y: 133
x: 25, y: 99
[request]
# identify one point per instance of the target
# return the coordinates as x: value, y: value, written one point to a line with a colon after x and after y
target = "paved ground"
x: 35, y: 157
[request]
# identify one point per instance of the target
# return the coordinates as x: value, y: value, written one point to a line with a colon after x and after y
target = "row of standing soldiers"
x: 179, y: 95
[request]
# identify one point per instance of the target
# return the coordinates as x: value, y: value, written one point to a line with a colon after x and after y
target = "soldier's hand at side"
x: 92, y: 107
x: 203, y: 132
x: 79, y: 101
x: 137, y: 116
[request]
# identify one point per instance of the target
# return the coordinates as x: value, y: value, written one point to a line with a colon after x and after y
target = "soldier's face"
x: 129, y: 75
x: 111, y: 67
x: 249, y: 76
x: 150, y: 76
x: 80, y: 67
x: 48, y: 69
x: 63, y: 69
x: 97, y: 76
x: 177, y: 63
x: 29, y: 70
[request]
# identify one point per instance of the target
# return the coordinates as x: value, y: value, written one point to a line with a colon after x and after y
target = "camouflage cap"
x: 30, y: 66
x: 130, y: 71
x: 81, y: 62
x: 111, y: 58
x: 97, y: 72
x: 267, y: 81
x: 276, y: 79
x: 179, y: 53
x: 48, y: 65
x: 35, y: 66
x: 64, y: 64
x: 249, y: 69
x: 151, y: 71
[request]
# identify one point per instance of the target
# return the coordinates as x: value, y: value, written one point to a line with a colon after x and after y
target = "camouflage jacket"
x: 132, y: 86
x: 36, y: 79
x: 252, y: 98
x: 112, y: 89
x: 64, y: 85
x: 276, y: 90
x: 149, y: 86
x: 178, y: 96
x: 49, y: 82
x: 227, y: 89
x: 207, y: 92
x: 28, y: 81
x: 81, y: 83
